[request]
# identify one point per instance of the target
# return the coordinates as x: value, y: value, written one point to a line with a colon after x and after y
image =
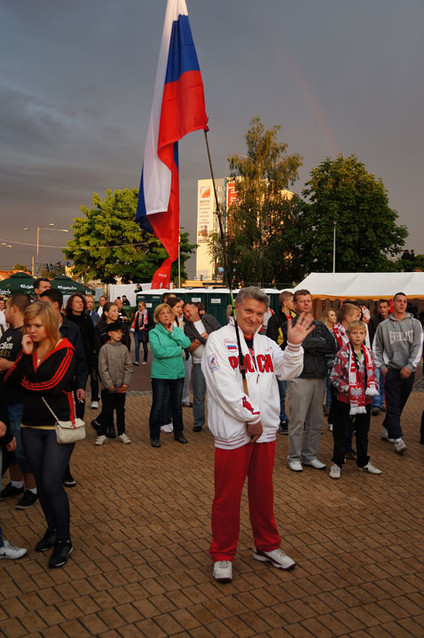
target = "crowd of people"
x: 348, y: 367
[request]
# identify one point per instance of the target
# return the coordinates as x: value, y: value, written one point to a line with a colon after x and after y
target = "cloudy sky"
x: 77, y: 79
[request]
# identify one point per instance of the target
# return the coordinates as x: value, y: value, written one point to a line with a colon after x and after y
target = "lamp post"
x: 334, y: 245
x: 38, y: 228
x: 179, y: 255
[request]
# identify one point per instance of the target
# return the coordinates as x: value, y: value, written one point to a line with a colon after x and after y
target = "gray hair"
x: 252, y: 292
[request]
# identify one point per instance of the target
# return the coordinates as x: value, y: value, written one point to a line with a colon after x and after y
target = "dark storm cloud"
x: 77, y: 82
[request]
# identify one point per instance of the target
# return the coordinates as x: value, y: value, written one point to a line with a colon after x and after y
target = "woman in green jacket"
x: 166, y: 343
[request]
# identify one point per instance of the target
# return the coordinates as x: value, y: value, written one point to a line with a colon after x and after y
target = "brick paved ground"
x: 141, y: 529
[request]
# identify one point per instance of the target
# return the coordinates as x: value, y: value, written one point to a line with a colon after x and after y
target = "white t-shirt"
x: 198, y: 353
x: 3, y: 324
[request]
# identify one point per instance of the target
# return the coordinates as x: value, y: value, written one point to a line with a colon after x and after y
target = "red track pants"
x: 256, y: 461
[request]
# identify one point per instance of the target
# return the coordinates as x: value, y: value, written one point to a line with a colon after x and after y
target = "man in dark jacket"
x: 197, y: 329
x: 306, y: 393
x: 277, y: 325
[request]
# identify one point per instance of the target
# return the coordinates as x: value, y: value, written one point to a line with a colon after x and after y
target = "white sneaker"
x: 144, y: 363
x: 12, y: 552
x: 400, y: 446
x: 277, y: 557
x: 124, y: 438
x: 223, y: 571
x: 94, y: 405
x: 330, y: 427
x: 295, y: 466
x: 369, y: 467
x: 315, y: 463
x: 335, y: 471
x: 167, y: 428
x: 101, y: 439
x: 385, y: 436
x: 136, y: 363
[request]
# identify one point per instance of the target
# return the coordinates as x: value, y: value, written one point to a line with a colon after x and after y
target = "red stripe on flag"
x: 183, y: 109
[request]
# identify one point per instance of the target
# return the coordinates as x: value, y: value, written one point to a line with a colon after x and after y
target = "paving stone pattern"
x: 141, y: 531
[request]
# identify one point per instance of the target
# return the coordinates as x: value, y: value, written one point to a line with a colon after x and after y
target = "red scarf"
x: 340, y: 334
x: 357, y: 389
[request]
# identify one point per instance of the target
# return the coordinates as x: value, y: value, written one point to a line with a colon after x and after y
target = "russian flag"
x: 178, y: 108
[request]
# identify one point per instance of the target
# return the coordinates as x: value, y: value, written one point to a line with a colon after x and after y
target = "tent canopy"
x: 18, y: 282
x: 363, y: 285
x: 68, y: 286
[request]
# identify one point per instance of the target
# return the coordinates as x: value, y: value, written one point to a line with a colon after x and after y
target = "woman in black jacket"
x: 110, y: 315
x: 46, y: 370
x: 75, y: 312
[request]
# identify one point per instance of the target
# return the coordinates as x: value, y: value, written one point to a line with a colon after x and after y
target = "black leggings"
x: 48, y: 461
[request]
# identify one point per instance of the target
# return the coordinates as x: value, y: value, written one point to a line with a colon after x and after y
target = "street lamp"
x: 38, y: 228
x: 179, y: 255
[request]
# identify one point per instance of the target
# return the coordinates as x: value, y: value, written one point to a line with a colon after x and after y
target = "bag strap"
x: 50, y: 408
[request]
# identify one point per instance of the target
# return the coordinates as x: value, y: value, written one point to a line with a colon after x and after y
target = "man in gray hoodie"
x: 397, y: 350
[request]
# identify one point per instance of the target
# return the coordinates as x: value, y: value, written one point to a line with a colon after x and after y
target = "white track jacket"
x: 229, y: 408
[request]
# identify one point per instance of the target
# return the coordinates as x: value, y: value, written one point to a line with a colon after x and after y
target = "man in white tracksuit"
x: 244, y: 422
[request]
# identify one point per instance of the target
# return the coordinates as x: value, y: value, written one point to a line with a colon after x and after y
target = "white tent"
x: 363, y: 285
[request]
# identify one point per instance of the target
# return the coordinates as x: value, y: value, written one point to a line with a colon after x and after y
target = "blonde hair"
x: 159, y: 309
x: 357, y: 325
x: 48, y: 315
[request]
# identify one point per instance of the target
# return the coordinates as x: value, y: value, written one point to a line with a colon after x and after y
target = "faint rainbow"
x: 314, y: 104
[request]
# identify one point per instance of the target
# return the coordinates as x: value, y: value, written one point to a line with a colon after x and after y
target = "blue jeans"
x: 18, y: 456
x: 137, y: 341
x: 199, y: 394
x: 160, y: 388
x: 282, y: 388
x: 378, y: 401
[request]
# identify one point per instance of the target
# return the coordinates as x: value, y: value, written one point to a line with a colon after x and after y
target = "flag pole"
x: 225, y: 258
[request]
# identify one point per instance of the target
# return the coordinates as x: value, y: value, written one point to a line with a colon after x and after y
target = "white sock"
x: 17, y: 484
x: 32, y: 489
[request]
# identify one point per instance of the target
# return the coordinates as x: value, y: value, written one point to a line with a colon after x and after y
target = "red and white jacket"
x: 229, y: 408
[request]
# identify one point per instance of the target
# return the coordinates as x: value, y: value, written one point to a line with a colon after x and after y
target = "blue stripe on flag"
x: 182, y: 54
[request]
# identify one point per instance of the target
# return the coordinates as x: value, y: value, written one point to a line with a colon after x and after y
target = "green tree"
x: 256, y: 243
x: 341, y: 194
x: 20, y: 267
x: 109, y: 243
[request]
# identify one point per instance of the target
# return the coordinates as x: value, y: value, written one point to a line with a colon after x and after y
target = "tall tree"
x: 341, y: 194
x: 255, y: 239
x: 108, y: 242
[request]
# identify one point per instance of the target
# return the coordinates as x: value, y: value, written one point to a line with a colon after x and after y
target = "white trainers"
x: 335, y: 471
x: 400, y: 446
x: 167, y: 428
x: 315, y: 463
x: 370, y: 468
x: 124, y: 438
x: 101, y: 439
x: 223, y: 571
x: 10, y: 551
x: 295, y: 466
x: 385, y: 436
x: 277, y: 557
x: 94, y: 405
